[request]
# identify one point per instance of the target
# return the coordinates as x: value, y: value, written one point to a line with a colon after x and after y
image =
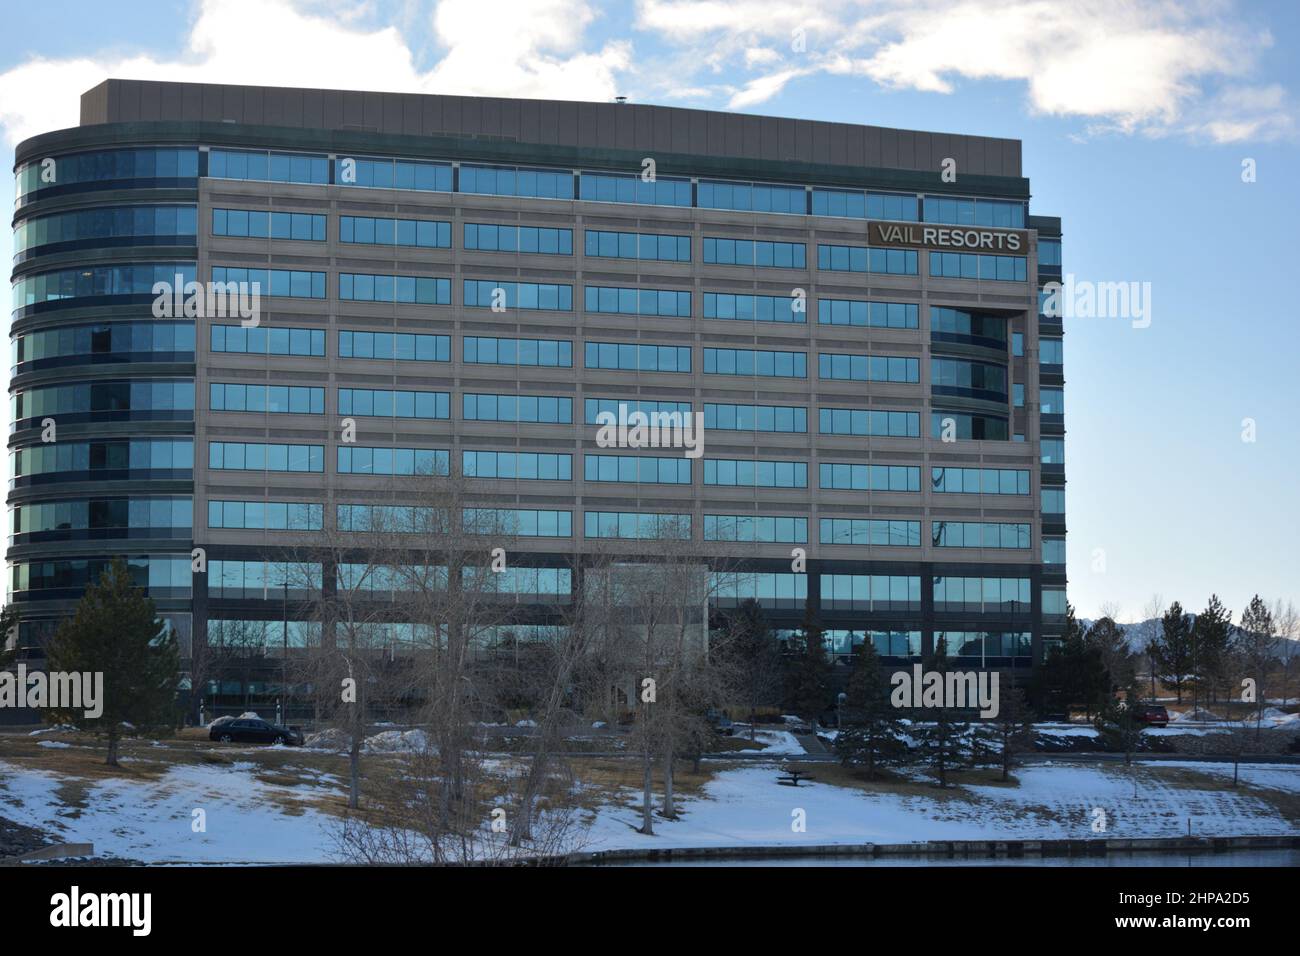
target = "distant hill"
x: 1137, y: 634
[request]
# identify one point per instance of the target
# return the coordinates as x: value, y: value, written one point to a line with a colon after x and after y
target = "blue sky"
x: 1135, y: 117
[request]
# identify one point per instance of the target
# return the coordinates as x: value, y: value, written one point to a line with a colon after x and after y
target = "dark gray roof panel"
x: 554, y: 123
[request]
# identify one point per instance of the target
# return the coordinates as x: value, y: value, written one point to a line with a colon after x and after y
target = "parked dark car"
x: 1153, y: 715
x: 722, y: 724
x: 249, y: 730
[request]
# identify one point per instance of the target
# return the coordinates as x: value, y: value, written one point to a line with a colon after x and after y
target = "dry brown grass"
x: 915, y: 784
x: 1286, y: 802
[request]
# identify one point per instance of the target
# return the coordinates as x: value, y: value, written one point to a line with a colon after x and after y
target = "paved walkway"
x: 811, y: 743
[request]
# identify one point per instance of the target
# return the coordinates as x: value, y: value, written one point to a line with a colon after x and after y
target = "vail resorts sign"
x: 951, y: 238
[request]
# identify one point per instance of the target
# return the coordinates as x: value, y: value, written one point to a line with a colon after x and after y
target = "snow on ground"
x: 248, y: 820
x: 1054, y: 801
x: 1280, y: 718
x: 152, y: 820
x: 1081, y: 731
x: 390, y: 741
x: 1064, y: 730
x: 777, y: 742
x: 1269, y: 776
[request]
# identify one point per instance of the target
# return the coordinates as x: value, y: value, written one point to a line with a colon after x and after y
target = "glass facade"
x: 103, y: 342
x: 517, y: 372
x: 105, y: 227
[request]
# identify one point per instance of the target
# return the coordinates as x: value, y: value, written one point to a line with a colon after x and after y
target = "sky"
x: 1139, y: 120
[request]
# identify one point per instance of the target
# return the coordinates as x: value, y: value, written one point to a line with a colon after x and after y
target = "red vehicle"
x: 1153, y: 715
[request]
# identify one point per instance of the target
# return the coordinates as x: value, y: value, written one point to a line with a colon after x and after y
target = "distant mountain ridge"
x: 1137, y: 634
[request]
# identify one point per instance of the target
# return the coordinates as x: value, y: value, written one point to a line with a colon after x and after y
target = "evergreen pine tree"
x: 808, y: 675
x: 1211, y: 634
x: 1108, y: 639
x: 1173, y: 649
x: 1117, y: 724
x: 999, y: 739
x: 752, y: 659
x: 1074, y: 673
x: 115, y: 631
x: 8, y: 622
x: 872, y: 735
x: 1255, y: 649
x: 943, y: 742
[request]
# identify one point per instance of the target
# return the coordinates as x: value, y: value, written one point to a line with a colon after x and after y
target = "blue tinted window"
x: 399, y: 346
x: 755, y: 362
x: 629, y: 301
x: 113, y: 226
x: 493, y: 351
x: 367, y: 230
x: 393, y: 174
x: 868, y: 368
x: 529, y: 239
x: 137, y: 279
x: 871, y: 532
x: 531, y: 466
x: 291, y: 399
x: 550, y: 297
x: 763, y: 418
x: 756, y: 474
x: 862, y: 259
x: 265, y: 515
x: 878, y: 315
x: 487, y: 407
x: 634, y: 245
x: 874, y: 422
x: 258, y: 224
x: 752, y: 252
x: 965, y: 426
x: 975, y: 212
x: 516, y: 181
x: 642, y: 358
x: 756, y: 528
x: 752, y: 197
x: 275, y: 282
x: 391, y: 403
x: 643, y: 469
x: 967, y: 265
x: 631, y: 188
x: 79, y: 171
x: 268, y: 166
x: 754, y: 308
x: 623, y: 409
x: 388, y: 288
x: 361, y: 460
x: 980, y: 481
x: 257, y: 456
x: 851, y: 477
x: 636, y: 525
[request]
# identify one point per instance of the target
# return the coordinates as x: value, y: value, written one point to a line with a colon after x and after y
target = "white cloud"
x: 1242, y: 113
x: 528, y: 48
x: 532, y: 48
x: 763, y: 88
x: 1155, y: 68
